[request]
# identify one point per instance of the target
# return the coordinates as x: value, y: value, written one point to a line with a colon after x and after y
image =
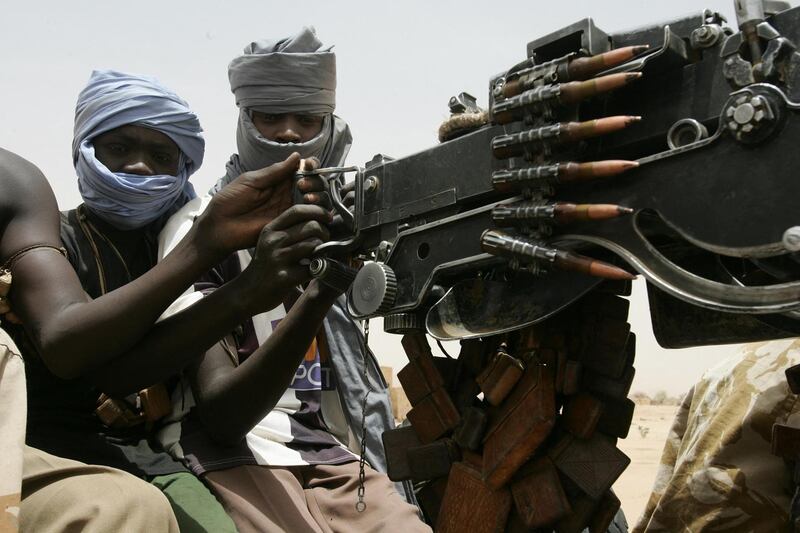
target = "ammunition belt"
x: 519, y: 432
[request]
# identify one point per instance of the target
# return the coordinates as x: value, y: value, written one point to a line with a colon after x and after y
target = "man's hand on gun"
x: 299, y: 215
x: 235, y: 217
x: 311, y: 189
x: 314, y: 191
x: 281, y: 257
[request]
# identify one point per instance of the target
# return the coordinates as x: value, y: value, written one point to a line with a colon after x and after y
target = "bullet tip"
x: 624, y: 210
x: 605, y: 270
x: 608, y: 271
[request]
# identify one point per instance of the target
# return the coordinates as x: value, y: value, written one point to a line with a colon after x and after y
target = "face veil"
x: 112, y: 99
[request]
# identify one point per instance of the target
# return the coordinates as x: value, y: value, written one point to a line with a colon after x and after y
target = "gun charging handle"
x: 333, y: 273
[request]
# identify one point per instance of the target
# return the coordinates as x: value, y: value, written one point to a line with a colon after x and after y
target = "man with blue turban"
x: 133, y: 198
x: 282, y: 404
x: 136, y: 144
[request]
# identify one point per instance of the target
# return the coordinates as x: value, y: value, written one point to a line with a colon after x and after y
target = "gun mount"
x: 708, y: 175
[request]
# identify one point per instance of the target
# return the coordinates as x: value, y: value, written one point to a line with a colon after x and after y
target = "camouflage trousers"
x: 717, y: 471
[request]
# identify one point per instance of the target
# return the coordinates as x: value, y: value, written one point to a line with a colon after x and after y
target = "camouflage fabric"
x: 717, y: 471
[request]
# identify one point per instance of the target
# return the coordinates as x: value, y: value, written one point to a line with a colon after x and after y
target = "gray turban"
x: 291, y: 75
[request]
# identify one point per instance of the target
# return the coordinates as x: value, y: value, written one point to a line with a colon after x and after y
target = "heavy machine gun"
x: 667, y: 151
x: 709, y: 175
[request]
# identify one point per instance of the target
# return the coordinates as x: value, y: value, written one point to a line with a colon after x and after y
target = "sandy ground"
x: 645, y: 441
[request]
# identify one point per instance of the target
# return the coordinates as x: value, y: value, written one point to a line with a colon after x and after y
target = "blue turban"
x: 113, y: 99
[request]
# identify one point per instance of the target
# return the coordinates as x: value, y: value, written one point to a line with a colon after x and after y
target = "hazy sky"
x: 398, y: 64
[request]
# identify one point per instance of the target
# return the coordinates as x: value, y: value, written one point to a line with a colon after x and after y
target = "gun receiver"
x: 498, y: 226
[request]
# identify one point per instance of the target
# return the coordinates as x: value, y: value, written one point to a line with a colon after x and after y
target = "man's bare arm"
x: 181, y: 338
x: 232, y: 399
x: 76, y: 334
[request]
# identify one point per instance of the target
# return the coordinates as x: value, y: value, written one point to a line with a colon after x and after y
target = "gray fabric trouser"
x: 316, y: 498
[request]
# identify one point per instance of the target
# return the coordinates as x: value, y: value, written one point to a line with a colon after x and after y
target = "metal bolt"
x: 705, y: 36
x: 383, y: 250
x: 371, y: 184
x: 497, y: 90
x: 791, y: 239
x: 747, y: 114
x: 744, y: 113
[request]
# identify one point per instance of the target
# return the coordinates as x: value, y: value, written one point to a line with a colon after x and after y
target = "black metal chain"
x: 361, y: 505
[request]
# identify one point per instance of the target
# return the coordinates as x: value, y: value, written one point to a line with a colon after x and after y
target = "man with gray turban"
x: 136, y: 144
x: 286, y: 94
x: 284, y: 403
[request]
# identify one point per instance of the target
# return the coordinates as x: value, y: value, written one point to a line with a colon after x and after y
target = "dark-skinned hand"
x: 348, y: 194
x: 312, y: 189
x: 283, y: 245
x: 237, y: 214
x: 239, y: 211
